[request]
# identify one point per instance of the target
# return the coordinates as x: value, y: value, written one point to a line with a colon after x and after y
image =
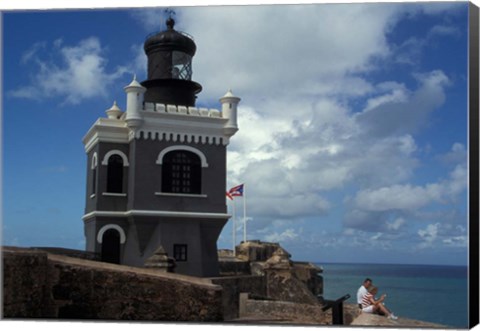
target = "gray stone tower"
x: 156, y: 173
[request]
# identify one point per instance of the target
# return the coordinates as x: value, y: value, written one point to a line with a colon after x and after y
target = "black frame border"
x: 473, y: 132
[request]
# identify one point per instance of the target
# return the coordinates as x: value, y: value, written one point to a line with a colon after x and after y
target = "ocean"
x: 437, y: 294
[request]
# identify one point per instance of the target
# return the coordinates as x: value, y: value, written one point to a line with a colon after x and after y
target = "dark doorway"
x: 111, y: 246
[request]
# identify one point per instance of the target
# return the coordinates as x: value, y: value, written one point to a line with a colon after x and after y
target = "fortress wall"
x: 233, y: 286
x: 310, y: 275
x: 288, y: 311
x: 25, y: 285
x: 40, y: 285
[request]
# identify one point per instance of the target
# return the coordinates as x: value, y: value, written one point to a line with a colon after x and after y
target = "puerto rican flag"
x: 236, y: 191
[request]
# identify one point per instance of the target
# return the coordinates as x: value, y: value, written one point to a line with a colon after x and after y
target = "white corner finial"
x: 114, y: 112
x: 134, y: 83
x: 229, y: 97
x: 229, y: 94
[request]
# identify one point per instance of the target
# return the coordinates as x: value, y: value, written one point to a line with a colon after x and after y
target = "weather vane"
x: 169, y: 12
x: 170, y: 20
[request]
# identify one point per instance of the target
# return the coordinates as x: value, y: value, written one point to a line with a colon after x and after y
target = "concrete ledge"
x: 376, y: 320
x: 197, y: 281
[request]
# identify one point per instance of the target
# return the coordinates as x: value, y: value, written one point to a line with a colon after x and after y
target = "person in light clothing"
x: 362, y: 291
x: 371, y: 305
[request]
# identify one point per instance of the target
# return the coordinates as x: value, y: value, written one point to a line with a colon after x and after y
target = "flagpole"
x: 244, y: 214
x: 234, y: 228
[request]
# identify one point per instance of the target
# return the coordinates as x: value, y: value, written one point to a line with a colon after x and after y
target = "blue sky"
x: 353, y: 121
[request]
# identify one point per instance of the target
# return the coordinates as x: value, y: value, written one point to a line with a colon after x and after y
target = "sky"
x: 353, y: 121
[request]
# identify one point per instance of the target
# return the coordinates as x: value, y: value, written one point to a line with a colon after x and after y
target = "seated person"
x: 370, y: 305
x: 363, y: 290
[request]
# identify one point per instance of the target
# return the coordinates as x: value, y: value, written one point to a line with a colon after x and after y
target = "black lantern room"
x: 170, y: 54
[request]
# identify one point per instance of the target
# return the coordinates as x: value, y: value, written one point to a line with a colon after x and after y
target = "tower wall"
x: 170, y: 191
x: 146, y: 234
x: 100, y: 199
x: 145, y: 185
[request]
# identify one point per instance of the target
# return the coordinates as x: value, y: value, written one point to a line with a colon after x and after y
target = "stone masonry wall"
x: 233, y: 286
x: 310, y: 275
x: 284, y: 287
x: 25, y: 289
x: 294, y: 313
x: 288, y: 311
x: 39, y: 285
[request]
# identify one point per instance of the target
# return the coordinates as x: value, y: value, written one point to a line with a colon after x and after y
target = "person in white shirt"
x: 363, y: 290
x: 371, y: 305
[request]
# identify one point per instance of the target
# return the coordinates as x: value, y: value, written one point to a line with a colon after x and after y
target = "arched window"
x: 115, y: 174
x: 181, y: 172
x: 94, y: 173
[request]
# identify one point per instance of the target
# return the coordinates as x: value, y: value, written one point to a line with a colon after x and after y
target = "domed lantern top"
x: 170, y: 53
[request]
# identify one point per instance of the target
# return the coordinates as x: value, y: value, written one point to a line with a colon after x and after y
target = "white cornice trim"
x: 163, y: 194
x: 106, y: 130
x: 184, y: 128
x: 110, y: 194
x: 209, y: 128
x: 162, y: 213
x: 175, y: 120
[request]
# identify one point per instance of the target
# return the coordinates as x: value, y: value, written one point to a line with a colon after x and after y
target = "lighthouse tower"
x: 156, y: 172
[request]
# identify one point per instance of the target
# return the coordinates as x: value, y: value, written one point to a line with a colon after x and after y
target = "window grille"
x: 181, y: 173
x: 180, y: 252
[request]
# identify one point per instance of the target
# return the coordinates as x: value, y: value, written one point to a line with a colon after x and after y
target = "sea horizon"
x: 404, y: 264
x: 414, y: 291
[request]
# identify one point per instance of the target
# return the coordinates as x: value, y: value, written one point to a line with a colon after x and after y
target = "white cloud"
x: 387, y: 92
x: 457, y: 154
x: 287, y: 235
x: 403, y: 197
x: 291, y: 155
x: 74, y: 73
x: 429, y: 234
x: 401, y: 115
x: 303, y: 56
x: 442, y: 234
x: 458, y: 241
x: 312, y: 122
x: 29, y: 54
x: 408, y: 197
x: 443, y: 30
x: 396, y: 224
x: 139, y: 63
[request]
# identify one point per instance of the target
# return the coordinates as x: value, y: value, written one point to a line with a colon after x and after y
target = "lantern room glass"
x: 171, y: 65
x: 181, y: 66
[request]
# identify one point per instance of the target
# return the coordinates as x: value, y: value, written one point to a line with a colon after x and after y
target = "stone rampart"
x: 233, y: 286
x: 256, y: 310
x: 256, y: 251
x: 70, y: 252
x: 41, y: 285
x: 231, y: 268
x: 25, y: 290
x: 288, y: 311
x: 309, y: 274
